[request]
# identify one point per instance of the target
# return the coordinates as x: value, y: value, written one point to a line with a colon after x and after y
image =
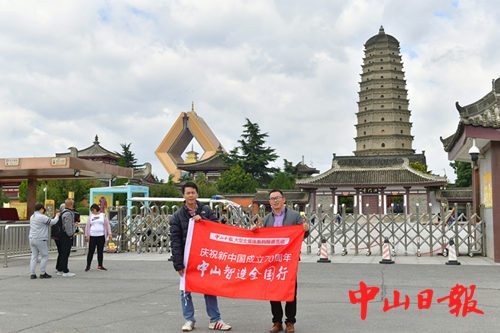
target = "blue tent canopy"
x: 131, y: 190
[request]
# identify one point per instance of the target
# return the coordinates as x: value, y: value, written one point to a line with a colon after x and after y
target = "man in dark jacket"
x: 279, y: 217
x: 192, y: 209
x: 66, y: 238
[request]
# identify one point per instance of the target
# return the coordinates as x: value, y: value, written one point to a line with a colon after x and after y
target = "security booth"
x: 477, y: 140
x: 104, y: 197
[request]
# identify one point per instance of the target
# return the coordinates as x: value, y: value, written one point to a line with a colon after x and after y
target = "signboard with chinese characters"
x: 227, y: 261
x: 369, y: 190
x: 11, y: 162
x: 487, y: 195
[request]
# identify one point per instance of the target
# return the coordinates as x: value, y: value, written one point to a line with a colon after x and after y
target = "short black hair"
x: 189, y: 184
x: 39, y: 206
x: 276, y: 190
x: 96, y: 207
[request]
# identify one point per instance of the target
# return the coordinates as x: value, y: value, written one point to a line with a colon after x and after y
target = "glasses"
x: 274, y: 198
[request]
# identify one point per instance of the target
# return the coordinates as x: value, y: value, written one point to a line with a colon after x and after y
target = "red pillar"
x: 31, y: 197
x: 495, y: 193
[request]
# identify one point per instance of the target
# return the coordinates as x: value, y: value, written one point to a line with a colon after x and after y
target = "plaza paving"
x: 140, y: 293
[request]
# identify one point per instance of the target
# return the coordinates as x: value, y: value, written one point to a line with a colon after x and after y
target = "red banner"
x: 227, y: 261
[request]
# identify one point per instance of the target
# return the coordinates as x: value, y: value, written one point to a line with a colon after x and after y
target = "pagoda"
x: 384, y: 126
x: 380, y: 174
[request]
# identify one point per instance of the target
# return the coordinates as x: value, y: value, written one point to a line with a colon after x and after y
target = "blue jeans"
x: 188, y: 308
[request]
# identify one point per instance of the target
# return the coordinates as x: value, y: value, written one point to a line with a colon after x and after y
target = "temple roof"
x: 94, y: 150
x: 305, y: 169
x: 482, y: 113
x: 381, y: 37
x: 213, y: 163
x: 373, y: 170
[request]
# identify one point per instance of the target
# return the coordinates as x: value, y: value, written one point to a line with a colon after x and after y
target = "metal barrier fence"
x: 14, y: 241
x: 146, y: 229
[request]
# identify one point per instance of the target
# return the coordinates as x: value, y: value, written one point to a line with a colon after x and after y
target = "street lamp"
x: 45, y: 190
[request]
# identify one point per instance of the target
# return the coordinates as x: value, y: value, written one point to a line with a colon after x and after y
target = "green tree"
x: 236, y: 180
x: 254, y: 157
x: 206, y: 188
x: 283, y: 181
x: 127, y: 157
x: 166, y: 190
x: 290, y: 168
x: 463, y: 170
x: 419, y: 167
x: 186, y: 177
x: 3, y: 198
x: 58, y: 190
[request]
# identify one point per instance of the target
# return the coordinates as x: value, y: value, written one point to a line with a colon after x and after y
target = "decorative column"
x: 313, y: 193
x: 334, y: 199
x: 357, y: 201
x: 382, y: 201
x: 428, y: 192
x: 407, y: 199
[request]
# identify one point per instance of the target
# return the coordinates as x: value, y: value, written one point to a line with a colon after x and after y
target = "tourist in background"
x: 97, y: 230
x: 55, y: 234
x: 66, y: 237
x: 39, y: 235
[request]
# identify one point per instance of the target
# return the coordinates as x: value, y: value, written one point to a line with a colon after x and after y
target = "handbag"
x: 111, y: 247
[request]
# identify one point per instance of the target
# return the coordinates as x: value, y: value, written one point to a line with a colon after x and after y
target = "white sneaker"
x: 69, y: 274
x: 219, y: 326
x: 59, y: 273
x: 188, y: 326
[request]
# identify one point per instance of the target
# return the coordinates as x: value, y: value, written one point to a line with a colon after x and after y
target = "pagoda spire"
x: 383, y: 126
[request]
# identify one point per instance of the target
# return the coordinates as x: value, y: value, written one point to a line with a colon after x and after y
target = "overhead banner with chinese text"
x: 228, y: 261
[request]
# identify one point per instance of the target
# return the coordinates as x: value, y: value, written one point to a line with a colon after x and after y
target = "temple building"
x: 477, y: 139
x: 211, y: 167
x: 383, y: 170
x: 142, y: 174
x: 95, y: 152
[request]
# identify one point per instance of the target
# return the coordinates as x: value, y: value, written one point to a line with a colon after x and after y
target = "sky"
x: 125, y: 70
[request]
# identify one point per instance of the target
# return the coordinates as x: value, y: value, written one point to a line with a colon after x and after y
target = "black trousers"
x: 96, y: 241
x: 290, y: 310
x: 59, y: 251
x: 66, y: 244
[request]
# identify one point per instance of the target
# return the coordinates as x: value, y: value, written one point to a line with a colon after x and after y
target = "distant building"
x: 95, y: 152
x: 188, y: 125
x: 380, y: 174
x: 142, y: 175
x: 211, y: 167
